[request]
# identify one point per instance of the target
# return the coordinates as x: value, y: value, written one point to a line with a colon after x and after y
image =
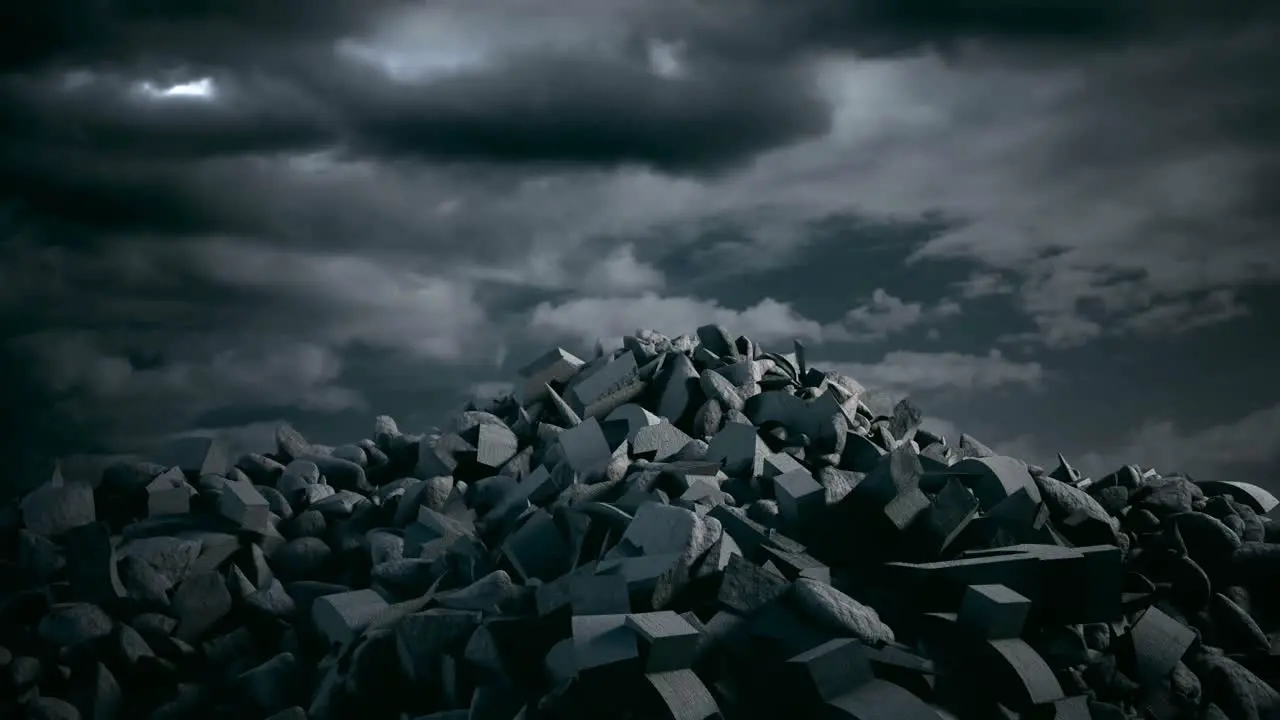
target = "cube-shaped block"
x: 667, y: 641
x: 800, y: 497
x: 994, y: 611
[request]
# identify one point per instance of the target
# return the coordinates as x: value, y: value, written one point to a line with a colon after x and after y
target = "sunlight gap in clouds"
x: 200, y: 89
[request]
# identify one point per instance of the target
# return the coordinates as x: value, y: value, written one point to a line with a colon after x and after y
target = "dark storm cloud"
x: 898, y: 27
x: 39, y: 33
x: 563, y: 110
x: 182, y: 261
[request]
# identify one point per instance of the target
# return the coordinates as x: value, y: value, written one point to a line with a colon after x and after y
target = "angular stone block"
x: 994, y: 611
x: 667, y: 641
x: 243, y: 505
x: 340, y: 617
x: 801, y: 499
x: 602, y: 641
x: 554, y: 366
x: 169, y: 494
x: 830, y: 670
x: 1159, y: 644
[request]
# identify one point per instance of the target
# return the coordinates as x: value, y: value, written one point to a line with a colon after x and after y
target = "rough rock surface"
x: 686, y: 528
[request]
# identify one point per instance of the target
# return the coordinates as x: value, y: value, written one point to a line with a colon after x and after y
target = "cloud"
x: 979, y: 285
x: 1242, y: 449
x: 136, y: 395
x: 885, y: 315
x: 621, y: 273
x: 1187, y: 314
x: 1251, y: 440
x: 908, y: 372
x: 587, y: 319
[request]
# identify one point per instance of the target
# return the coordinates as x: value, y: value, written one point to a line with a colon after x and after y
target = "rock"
x: 678, y: 528
x: 841, y: 612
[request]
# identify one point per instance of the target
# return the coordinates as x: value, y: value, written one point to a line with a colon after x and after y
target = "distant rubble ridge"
x: 682, y: 529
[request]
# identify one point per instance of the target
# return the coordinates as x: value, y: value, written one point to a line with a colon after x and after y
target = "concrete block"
x: 169, y: 494
x: 740, y: 449
x: 555, y: 366
x: 604, y: 641
x: 585, y: 448
x: 537, y: 549
x: 657, y: 529
x: 634, y: 417
x: 796, y: 565
x: 801, y: 499
x: 950, y: 512
x: 195, y: 455
x: 1019, y: 676
x: 341, y: 617
x: 994, y: 611
x: 877, y: 700
x: 677, y: 388
x: 495, y: 445
x: 1159, y: 644
x: 597, y: 393
x: 682, y: 696
x: 746, y: 587
x: 828, y: 671
x: 667, y: 641
x: 995, y: 478
x: 599, y: 594
x: 199, y: 603
x: 243, y: 505
x: 659, y: 442
x: 53, y: 509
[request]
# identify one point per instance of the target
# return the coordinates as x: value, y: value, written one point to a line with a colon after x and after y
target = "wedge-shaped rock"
x: 195, y: 455
x: 243, y: 505
x: 830, y: 670
x: 537, y: 550
x: 169, y: 494
x: 597, y: 393
x: 601, y: 641
x: 199, y: 603
x: 1159, y: 644
x: 840, y: 613
x: 53, y: 509
x: 586, y: 449
x: 495, y: 445
x: 741, y: 450
x: 659, y: 442
x: 555, y: 366
x: 341, y: 617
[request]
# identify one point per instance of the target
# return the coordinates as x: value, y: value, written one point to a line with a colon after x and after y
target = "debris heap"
x: 683, y: 529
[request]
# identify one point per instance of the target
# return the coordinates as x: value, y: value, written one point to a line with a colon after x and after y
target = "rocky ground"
x: 686, y: 528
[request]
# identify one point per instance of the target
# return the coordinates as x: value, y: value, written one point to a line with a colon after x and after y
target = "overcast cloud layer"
x: 1054, y: 226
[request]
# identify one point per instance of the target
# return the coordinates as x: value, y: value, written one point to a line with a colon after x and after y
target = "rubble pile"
x: 686, y: 528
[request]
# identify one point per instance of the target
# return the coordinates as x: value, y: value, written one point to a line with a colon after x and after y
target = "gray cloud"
x: 388, y: 193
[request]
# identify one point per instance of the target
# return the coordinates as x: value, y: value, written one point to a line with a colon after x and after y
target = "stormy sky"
x: 1052, y: 223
